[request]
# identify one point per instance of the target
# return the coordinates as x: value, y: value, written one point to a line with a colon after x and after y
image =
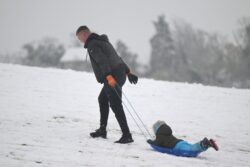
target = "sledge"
x: 175, y: 152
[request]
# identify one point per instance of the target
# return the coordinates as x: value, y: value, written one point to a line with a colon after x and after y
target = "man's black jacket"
x: 104, y: 58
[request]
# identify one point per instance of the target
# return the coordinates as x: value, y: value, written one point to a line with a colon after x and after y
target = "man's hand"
x: 132, y: 78
x: 111, y: 81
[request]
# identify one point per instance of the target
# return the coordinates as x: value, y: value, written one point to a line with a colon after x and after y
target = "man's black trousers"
x: 112, y: 97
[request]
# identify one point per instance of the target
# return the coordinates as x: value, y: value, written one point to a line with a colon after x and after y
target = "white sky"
x: 23, y: 21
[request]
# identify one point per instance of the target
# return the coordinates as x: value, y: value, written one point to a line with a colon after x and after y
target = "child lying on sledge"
x: 165, y: 139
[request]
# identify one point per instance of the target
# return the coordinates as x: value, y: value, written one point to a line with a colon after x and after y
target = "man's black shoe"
x: 125, y: 139
x: 99, y: 133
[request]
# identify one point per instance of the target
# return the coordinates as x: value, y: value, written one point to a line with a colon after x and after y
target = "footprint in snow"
x: 244, y: 150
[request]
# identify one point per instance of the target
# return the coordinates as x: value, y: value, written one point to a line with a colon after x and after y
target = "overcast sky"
x: 23, y: 21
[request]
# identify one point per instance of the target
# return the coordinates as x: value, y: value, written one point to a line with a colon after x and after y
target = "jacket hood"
x: 94, y: 36
x: 160, y: 127
x: 157, y: 125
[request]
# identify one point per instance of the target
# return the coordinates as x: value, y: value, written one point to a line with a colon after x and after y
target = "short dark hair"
x: 82, y: 28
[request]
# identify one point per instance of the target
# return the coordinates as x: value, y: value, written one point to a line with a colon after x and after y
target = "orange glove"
x: 111, y: 81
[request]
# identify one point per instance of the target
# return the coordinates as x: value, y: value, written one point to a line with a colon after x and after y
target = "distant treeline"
x: 180, y: 53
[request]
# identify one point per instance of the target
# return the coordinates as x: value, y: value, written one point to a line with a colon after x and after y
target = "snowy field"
x: 46, y: 116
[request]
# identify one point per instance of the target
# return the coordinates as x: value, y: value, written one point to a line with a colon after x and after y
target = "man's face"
x: 83, y: 36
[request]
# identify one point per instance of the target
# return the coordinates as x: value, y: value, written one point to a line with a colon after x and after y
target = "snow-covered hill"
x: 46, y: 116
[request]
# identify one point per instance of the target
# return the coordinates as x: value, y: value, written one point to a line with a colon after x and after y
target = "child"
x: 165, y: 139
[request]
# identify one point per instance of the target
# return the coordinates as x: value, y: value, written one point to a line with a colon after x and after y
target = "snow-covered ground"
x: 46, y: 116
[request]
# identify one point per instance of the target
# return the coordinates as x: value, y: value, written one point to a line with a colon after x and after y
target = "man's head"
x: 83, y: 33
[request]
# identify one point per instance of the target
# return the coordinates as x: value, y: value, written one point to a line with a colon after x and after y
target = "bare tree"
x: 46, y: 52
x: 127, y: 56
x: 163, y: 52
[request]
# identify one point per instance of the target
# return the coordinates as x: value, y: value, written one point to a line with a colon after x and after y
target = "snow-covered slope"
x: 46, y: 116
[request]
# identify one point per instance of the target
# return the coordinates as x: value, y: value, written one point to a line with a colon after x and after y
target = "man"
x: 111, y: 71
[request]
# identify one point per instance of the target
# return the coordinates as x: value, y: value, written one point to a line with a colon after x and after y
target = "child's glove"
x: 132, y: 78
x: 150, y: 141
x: 111, y: 81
